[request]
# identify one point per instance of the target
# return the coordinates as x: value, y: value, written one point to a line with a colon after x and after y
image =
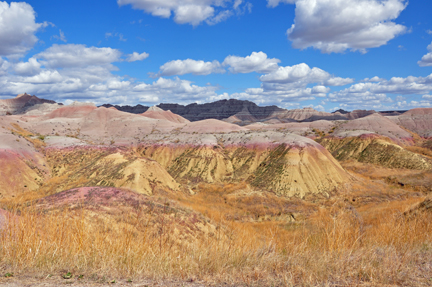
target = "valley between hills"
x: 219, y: 194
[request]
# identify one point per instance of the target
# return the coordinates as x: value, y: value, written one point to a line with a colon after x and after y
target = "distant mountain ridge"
x: 216, y: 110
x: 240, y: 112
x: 244, y: 112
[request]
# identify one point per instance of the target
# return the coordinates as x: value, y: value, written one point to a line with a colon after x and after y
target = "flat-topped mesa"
x: 356, y: 114
x: 222, y: 109
x: 286, y: 164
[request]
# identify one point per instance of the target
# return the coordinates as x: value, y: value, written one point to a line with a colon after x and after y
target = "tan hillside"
x: 284, y: 163
x: 377, y: 150
x: 157, y: 113
x: 106, y: 167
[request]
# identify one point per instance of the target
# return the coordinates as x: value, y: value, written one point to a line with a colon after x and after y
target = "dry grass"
x: 38, y: 143
x: 336, y: 246
x: 420, y: 150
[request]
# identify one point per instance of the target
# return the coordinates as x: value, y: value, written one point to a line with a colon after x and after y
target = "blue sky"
x: 327, y: 54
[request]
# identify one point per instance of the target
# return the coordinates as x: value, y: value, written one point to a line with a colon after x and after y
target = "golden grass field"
x: 359, y: 236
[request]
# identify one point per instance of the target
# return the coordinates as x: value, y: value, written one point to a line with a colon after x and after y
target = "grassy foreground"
x: 336, y: 246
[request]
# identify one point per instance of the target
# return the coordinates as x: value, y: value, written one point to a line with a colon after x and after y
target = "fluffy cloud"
x: 72, y: 55
x: 52, y: 74
x: 338, y: 25
x: 44, y: 77
x: 274, y: 3
x: 191, y: 12
x: 396, y: 85
x: 62, y: 71
x: 29, y: 68
x: 17, y: 28
x: 302, y: 75
x: 256, y: 62
x: 189, y: 66
x: 4, y: 66
x: 289, y: 85
x: 137, y: 57
x: 376, y: 94
x: 426, y: 60
x: 357, y: 100
x: 174, y: 90
x: 282, y: 98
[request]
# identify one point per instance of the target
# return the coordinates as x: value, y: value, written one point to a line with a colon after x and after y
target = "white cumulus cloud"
x: 174, y: 91
x: 426, y: 60
x: 256, y: 62
x: 338, y: 25
x: 135, y: 56
x: 302, y: 75
x: 74, y: 55
x: 29, y: 68
x: 375, y: 94
x: 191, y: 12
x: 52, y: 74
x: 189, y: 66
x: 17, y: 28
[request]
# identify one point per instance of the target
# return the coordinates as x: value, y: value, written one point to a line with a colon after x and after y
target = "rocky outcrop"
x: 21, y: 104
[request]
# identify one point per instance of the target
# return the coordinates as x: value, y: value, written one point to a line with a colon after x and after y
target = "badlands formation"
x: 53, y: 147
x: 84, y: 145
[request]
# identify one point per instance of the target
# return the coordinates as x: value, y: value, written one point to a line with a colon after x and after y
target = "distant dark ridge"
x: 226, y: 108
x: 217, y: 110
x: 138, y: 109
x: 393, y: 112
